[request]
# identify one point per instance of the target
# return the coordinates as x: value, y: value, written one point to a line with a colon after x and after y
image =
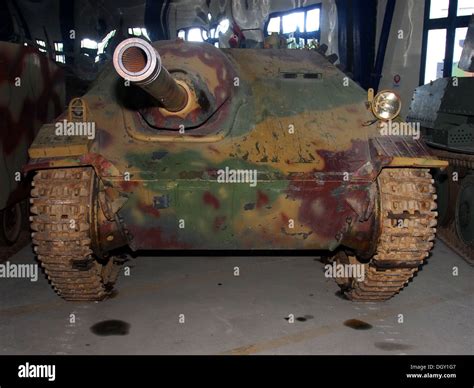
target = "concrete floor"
x: 241, y: 315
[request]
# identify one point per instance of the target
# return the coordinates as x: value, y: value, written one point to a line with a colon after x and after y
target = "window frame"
x: 59, y: 56
x: 186, y: 32
x: 131, y: 33
x: 41, y: 46
x: 450, y: 24
x: 302, y: 35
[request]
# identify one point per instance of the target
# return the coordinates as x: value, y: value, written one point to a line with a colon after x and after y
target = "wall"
x: 403, y: 56
x: 38, y: 20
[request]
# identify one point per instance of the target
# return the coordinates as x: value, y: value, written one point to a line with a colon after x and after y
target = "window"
x: 312, y: 20
x: 218, y: 28
x: 101, y: 46
x: 139, y: 32
x: 299, y: 26
x: 292, y: 22
x: 89, y: 44
x: 459, y: 38
x: 439, y: 9
x: 58, y: 47
x: 59, y: 52
x: 41, y: 45
x: 465, y: 8
x: 436, y: 49
x: 445, y: 30
x: 274, y: 25
x: 222, y: 27
x: 193, y: 34
x: 198, y: 34
x: 91, y: 48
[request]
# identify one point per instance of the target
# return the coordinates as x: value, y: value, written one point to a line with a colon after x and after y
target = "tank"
x: 32, y: 93
x: 183, y: 146
x: 445, y: 110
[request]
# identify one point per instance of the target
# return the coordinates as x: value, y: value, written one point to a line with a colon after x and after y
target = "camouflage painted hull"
x: 275, y: 149
x: 290, y: 118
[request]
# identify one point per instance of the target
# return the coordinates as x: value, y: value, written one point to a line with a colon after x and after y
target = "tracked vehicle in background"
x: 195, y: 148
x: 445, y: 109
x: 32, y: 93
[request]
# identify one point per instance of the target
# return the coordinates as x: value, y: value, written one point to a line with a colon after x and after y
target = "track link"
x: 61, y: 214
x: 408, y: 227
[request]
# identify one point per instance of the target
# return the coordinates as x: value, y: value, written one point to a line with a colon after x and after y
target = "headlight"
x: 386, y: 105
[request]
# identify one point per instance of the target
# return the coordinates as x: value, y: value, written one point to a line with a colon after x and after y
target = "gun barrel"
x: 139, y: 62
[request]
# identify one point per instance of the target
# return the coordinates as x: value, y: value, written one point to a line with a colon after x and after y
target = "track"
x: 448, y: 233
x: 408, y: 222
x: 61, y: 214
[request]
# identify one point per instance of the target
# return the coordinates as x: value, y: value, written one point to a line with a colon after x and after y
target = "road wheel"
x: 465, y: 212
x: 11, y: 222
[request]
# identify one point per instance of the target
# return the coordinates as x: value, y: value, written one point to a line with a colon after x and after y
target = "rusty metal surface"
x: 407, y: 195
x: 61, y: 224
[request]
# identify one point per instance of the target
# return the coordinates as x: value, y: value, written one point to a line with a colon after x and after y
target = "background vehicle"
x: 445, y: 109
x: 32, y: 94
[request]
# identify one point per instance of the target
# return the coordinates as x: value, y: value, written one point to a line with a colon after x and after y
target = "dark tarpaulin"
x: 357, y: 25
x: 156, y: 19
x: 66, y: 23
x: 6, y: 23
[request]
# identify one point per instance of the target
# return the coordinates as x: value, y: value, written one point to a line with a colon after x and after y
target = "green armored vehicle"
x: 445, y: 110
x: 187, y: 147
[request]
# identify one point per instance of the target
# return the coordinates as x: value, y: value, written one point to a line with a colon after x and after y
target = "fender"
x: 399, y: 152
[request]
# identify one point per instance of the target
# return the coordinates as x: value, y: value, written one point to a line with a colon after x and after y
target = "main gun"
x: 139, y: 62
